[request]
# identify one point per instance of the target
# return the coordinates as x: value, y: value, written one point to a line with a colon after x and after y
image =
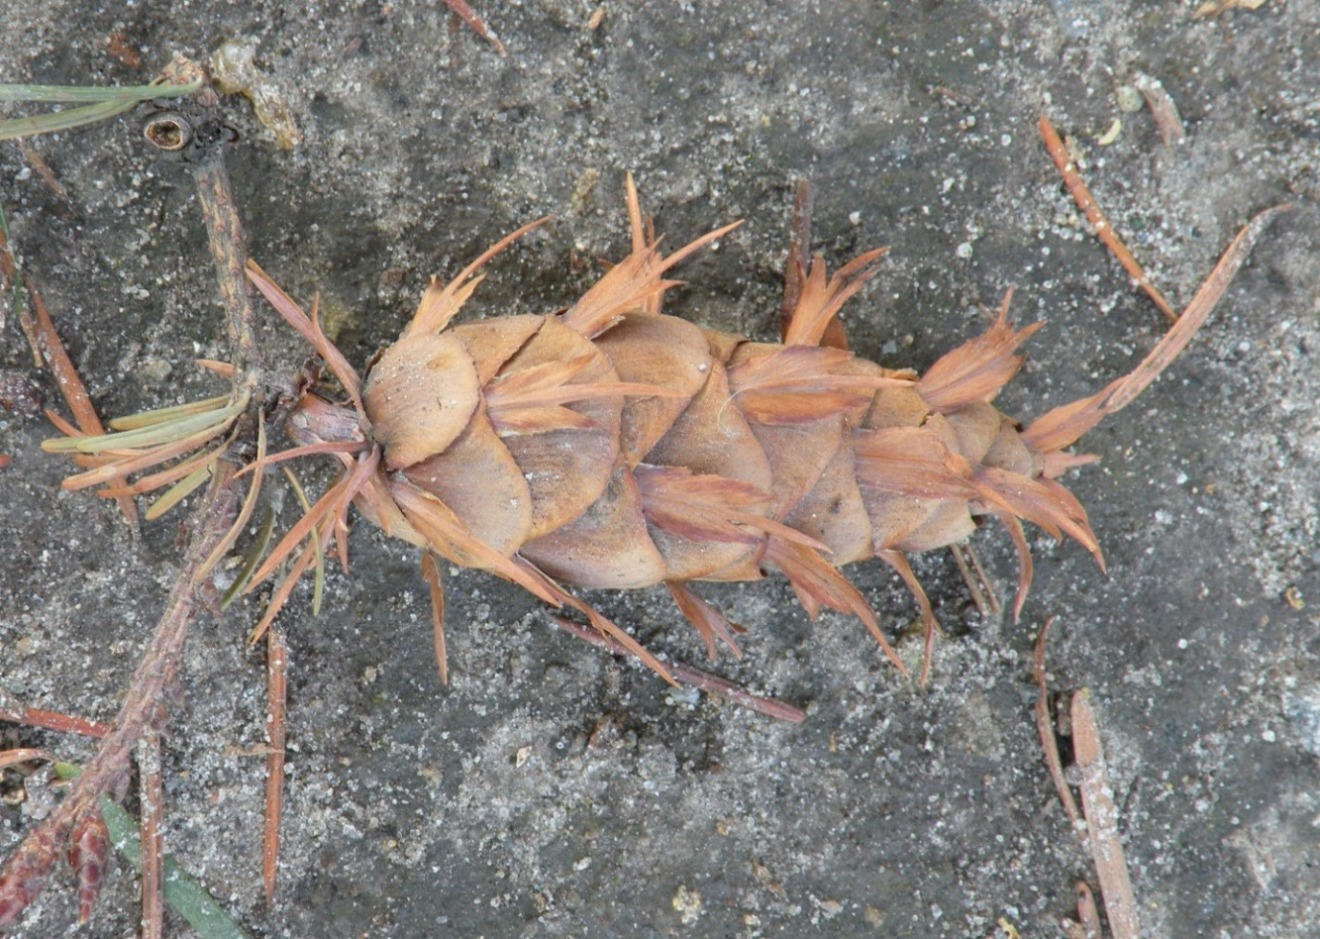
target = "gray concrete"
x: 553, y: 791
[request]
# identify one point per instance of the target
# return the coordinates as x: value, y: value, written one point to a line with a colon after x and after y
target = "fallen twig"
x: 276, y: 693
x: 1102, y: 822
x: 12, y: 710
x: 1045, y: 728
x: 151, y: 809
x: 1103, y: 228
x: 25, y: 871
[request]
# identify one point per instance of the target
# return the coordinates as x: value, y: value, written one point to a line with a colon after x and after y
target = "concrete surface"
x: 553, y: 791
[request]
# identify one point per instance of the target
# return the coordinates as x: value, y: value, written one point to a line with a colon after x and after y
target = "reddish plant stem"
x: 49, y: 720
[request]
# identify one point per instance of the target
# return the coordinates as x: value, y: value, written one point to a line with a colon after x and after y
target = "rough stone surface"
x: 553, y: 791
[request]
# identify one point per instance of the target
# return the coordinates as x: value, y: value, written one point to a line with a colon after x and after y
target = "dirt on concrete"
x: 551, y: 790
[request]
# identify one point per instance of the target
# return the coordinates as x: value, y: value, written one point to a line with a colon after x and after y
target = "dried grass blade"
x: 323, y: 507
x: 66, y: 375
x: 297, y: 453
x: 723, y: 688
x: 57, y: 360
x: 16, y: 127
x: 178, y: 492
x: 166, y: 476
x: 1206, y: 298
x: 61, y: 425
x: 164, y: 415
x: 117, y: 465
x: 1062, y: 426
x: 184, y: 894
x: 253, y: 558
x: 14, y: 711
x: 281, y: 594
x: 84, y: 94
x: 223, y: 369
x: 214, y: 420
x: 978, y: 584
x: 603, y: 625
